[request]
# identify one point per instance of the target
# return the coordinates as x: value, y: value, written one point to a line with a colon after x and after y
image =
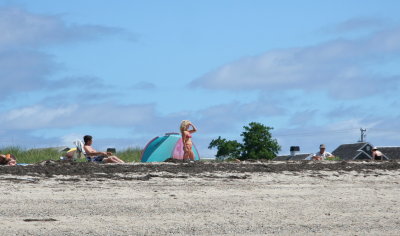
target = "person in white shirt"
x: 322, y: 154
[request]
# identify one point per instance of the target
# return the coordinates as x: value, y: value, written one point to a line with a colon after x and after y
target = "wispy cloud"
x: 82, y: 82
x: 143, y: 85
x: 22, y: 29
x: 24, y: 70
x: 358, y: 24
x: 24, y: 67
x: 303, y: 118
x: 339, y: 67
x: 40, y: 116
x: 224, y: 118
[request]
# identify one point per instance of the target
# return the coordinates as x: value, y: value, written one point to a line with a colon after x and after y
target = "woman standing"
x: 187, y: 139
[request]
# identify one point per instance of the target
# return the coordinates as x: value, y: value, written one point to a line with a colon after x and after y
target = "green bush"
x: 226, y: 148
x: 257, y: 144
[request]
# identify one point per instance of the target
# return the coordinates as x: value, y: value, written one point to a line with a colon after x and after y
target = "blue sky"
x: 127, y: 71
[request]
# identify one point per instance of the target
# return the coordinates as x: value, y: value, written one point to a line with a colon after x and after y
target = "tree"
x: 226, y: 148
x: 258, y: 142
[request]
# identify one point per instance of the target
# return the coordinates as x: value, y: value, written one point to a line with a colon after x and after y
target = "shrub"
x: 257, y: 144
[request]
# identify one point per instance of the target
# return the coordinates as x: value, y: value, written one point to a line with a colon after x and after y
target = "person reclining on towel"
x: 94, y: 156
x: 8, y: 159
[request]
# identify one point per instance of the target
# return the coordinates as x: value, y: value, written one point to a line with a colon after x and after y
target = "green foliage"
x: 333, y: 158
x: 257, y: 144
x: 32, y: 156
x: 130, y: 154
x: 226, y: 148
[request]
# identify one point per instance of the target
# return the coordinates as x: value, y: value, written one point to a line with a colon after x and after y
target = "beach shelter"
x: 168, y: 146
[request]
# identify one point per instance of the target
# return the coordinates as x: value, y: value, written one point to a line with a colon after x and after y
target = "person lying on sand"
x: 94, y: 156
x: 8, y: 159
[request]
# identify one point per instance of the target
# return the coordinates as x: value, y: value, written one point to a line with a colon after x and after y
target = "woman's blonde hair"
x: 184, y: 125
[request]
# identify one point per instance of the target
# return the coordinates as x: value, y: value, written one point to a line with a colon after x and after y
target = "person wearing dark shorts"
x: 99, y: 157
x: 376, y: 154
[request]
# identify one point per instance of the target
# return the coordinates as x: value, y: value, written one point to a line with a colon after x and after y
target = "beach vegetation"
x: 258, y: 143
x: 31, y: 156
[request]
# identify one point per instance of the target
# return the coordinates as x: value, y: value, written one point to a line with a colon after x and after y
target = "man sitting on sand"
x: 100, y: 157
x: 8, y: 159
x: 322, y: 154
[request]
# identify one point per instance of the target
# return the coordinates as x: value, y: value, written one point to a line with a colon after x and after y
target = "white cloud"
x: 24, y: 67
x: 340, y: 67
x: 40, y: 116
x: 22, y: 29
x: 24, y: 70
x: 303, y: 118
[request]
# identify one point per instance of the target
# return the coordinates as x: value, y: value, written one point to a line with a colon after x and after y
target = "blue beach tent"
x: 168, y: 146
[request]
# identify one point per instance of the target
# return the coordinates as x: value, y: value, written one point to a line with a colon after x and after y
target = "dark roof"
x: 297, y: 157
x: 300, y: 157
x: 353, y: 150
x: 282, y: 158
x: 390, y: 152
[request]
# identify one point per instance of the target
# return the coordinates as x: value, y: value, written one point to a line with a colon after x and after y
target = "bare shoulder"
x: 88, y: 148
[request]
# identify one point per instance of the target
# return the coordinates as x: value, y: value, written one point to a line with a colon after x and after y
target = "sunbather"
x: 94, y: 156
x: 8, y: 159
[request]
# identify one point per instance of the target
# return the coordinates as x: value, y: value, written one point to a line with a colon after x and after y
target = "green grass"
x: 38, y: 155
x: 333, y: 158
x: 130, y: 154
x: 32, y: 155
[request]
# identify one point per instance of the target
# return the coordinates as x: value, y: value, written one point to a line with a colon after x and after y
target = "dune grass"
x: 32, y: 156
x: 130, y: 154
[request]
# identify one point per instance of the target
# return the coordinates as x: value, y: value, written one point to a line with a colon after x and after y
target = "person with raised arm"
x: 186, y: 133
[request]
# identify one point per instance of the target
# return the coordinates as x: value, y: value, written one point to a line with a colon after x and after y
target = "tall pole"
x: 363, y: 135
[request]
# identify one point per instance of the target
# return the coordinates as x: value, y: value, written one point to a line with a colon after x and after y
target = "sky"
x: 128, y: 71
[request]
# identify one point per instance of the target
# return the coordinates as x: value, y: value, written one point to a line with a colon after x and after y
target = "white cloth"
x: 323, y: 155
x: 79, y: 146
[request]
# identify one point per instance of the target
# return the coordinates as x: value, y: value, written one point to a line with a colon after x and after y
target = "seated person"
x: 322, y: 154
x: 94, y: 156
x: 376, y: 154
x: 8, y: 159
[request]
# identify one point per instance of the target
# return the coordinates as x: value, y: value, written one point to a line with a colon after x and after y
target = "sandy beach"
x: 299, y: 198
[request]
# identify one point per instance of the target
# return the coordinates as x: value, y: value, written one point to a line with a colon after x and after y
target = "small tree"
x: 226, y: 148
x: 258, y: 142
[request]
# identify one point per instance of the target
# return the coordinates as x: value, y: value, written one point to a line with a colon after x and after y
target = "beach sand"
x: 299, y: 198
